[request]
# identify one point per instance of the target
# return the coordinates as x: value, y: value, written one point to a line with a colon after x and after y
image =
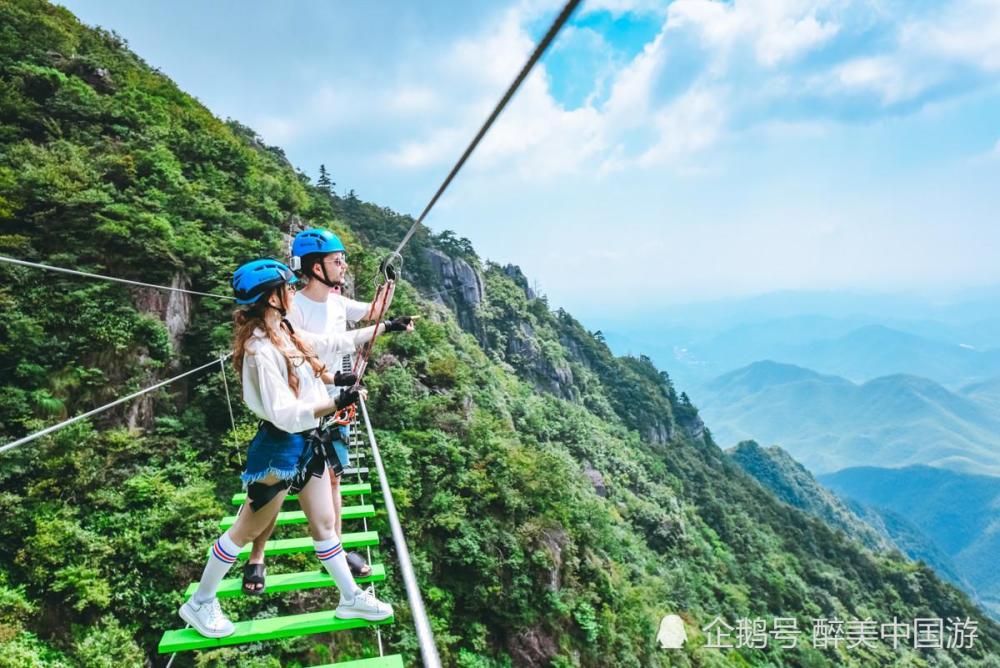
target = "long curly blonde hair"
x: 247, y: 320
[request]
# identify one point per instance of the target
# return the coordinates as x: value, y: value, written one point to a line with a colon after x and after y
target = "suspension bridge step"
x: 299, y: 517
x: 345, y: 490
x: 304, y: 544
x: 354, y: 471
x: 289, y: 582
x: 391, y: 661
x: 256, y: 630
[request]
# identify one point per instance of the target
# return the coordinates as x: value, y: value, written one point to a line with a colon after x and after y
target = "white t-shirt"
x: 329, y: 317
x: 265, y: 379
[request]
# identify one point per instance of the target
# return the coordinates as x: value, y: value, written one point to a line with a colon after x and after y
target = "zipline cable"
x: 36, y: 265
x: 539, y: 50
x: 547, y: 40
x: 101, y: 409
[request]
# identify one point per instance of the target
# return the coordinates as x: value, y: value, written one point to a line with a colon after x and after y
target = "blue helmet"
x: 259, y: 277
x: 316, y: 240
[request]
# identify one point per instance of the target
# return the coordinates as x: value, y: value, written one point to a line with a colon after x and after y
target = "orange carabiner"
x: 345, y: 416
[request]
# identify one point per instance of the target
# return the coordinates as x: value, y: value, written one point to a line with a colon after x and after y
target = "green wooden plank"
x: 390, y: 661
x: 299, y: 517
x: 304, y: 544
x: 289, y: 582
x: 256, y: 630
x: 345, y: 490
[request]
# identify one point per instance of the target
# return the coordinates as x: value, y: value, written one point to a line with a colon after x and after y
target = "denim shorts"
x: 278, y: 453
x: 340, y: 448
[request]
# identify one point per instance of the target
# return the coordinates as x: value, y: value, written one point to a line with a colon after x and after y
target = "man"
x: 320, y: 257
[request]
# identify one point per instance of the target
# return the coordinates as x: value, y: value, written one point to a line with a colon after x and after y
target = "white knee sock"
x: 331, y: 553
x: 224, y: 553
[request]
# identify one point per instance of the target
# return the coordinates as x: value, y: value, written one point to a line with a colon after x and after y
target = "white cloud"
x: 619, y: 7
x: 441, y: 145
x: 407, y: 99
x: 959, y: 40
x: 692, y: 123
x: 535, y: 134
x: 777, y: 30
x: 886, y: 76
x: 276, y: 130
x: 792, y: 37
x: 967, y: 31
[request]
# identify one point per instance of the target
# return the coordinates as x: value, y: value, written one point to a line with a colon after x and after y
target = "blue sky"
x: 662, y: 153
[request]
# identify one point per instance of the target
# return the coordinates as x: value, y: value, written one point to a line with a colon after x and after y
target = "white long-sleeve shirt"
x: 265, y: 378
x: 329, y: 317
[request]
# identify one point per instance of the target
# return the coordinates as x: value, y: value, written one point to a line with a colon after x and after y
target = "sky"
x: 661, y: 153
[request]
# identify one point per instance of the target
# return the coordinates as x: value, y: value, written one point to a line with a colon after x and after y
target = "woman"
x: 283, y: 386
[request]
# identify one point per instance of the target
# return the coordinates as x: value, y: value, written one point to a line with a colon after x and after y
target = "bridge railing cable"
x: 87, y: 274
x: 425, y: 637
x: 65, y: 423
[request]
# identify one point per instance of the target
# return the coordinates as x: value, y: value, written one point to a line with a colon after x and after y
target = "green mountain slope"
x: 876, y: 528
x: 829, y: 423
x: 960, y: 512
x: 773, y: 468
x: 558, y: 501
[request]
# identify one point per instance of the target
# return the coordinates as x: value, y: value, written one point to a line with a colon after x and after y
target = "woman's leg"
x: 202, y: 610
x: 337, y: 503
x: 249, y: 525
x: 257, y: 551
x: 316, y: 499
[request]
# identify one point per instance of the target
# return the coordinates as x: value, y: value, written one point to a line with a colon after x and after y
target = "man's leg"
x: 337, y: 503
x: 359, y: 566
x: 257, y: 551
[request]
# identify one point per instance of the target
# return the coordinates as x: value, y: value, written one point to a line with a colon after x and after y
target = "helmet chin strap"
x: 283, y: 312
x: 282, y: 309
x: 325, y: 279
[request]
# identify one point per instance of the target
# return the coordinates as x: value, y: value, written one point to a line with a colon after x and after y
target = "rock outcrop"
x: 458, y: 286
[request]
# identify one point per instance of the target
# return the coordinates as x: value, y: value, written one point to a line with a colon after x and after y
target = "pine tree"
x: 324, y: 181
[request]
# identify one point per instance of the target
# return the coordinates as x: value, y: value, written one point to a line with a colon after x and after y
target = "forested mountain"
x: 958, y: 511
x: 829, y: 423
x: 558, y: 500
x: 878, y: 528
x: 775, y: 469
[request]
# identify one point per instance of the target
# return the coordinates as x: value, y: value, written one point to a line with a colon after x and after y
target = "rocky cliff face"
x: 457, y: 286
x: 174, y: 310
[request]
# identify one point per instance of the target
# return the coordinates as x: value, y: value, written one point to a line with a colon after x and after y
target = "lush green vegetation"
x: 558, y: 501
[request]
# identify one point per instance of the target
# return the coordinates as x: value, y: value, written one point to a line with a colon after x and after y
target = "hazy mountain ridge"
x: 829, y: 423
x: 858, y: 348
x: 776, y: 470
x: 876, y: 528
x: 959, y: 511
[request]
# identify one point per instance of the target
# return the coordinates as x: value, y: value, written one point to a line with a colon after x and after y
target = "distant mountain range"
x: 877, y: 527
x: 852, y: 347
x: 958, y: 511
x: 873, y: 351
x: 829, y: 423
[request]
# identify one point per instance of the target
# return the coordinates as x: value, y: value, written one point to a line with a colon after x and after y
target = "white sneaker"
x: 364, y: 606
x: 207, y: 618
